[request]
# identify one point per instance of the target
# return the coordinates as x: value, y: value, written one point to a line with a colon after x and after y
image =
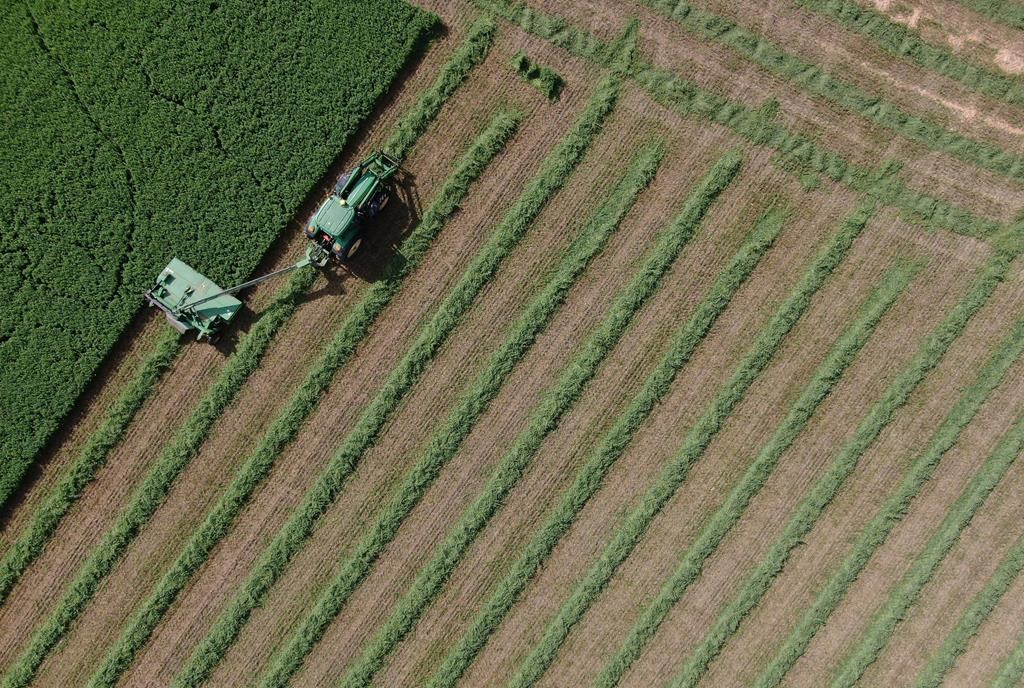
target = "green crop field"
x: 687, y: 350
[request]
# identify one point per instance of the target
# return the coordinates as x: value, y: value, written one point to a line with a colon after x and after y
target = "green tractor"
x: 193, y: 302
x: 338, y: 224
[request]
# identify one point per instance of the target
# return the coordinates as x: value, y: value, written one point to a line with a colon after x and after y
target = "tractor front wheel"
x: 352, y: 248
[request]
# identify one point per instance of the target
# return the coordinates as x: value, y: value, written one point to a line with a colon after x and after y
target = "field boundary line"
x: 288, y: 422
x: 638, y: 519
x: 908, y: 591
x: 894, y: 508
x: 556, y: 402
x: 932, y: 350
x: 30, y: 543
x: 190, y: 437
x: 554, y: 172
x: 1006, y: 13
x: 814, y: 79
x: 973, y: 617
x: 901, y: 41
x: 798, y: 152
x: 446, y: 441
x: 691, y: 566
x: 613, y: 444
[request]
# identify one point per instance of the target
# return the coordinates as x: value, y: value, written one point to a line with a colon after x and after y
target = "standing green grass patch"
x: 555, y: 171
x: 636, y: 522
x: 1012, y: 669
x: 446, y: 441
x: 827, y: 487
x: 894, y: 508
x: 290, y: 420
x: 729, y: 513
x: 591, y: 474
x: 556, y: 402
x: 908, y: 591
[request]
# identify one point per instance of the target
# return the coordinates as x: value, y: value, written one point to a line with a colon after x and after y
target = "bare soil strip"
x: 795, y: 589
x: 995, y: 46
x: 722, y: 71
x: 556, y: 462
x: 380, y: 472
x: 969, y: 564
x: 819, y: 40
x: 663, y: 432
x: 303, y: 335
x: 641, y: 576
x: 995, y: 641
x: 326, y: 441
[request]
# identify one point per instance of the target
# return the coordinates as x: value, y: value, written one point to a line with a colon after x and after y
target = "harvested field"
x: 702, y: 370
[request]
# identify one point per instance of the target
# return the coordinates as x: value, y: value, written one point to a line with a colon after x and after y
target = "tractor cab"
x: 336, y: 228
x: 192, y: 301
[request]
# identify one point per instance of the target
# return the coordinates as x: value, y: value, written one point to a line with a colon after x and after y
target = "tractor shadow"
x: 383, y: 237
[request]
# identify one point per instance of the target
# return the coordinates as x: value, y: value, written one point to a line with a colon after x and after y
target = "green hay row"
x: 544, y: 419
x: 304, y: 400
x: 636, y: 522
x: 555, y: 171
x: 471, y: 52
x: 902, y: 41
x: 191, y: 435
x: 545, y: 80
x: 894, y: 508
x: 1002, y: 11
x: 827, y: 487
x: 800, y: 153
x: 729, y: 513
x: 93, y: 456
x: 814, y: 79
x: 906, y: 594
x: 1012, y: 669
x: 90, y: 459
x: 158, y: 481
x: 446, y: 441
x: 591, y: 474
x: 972, y: 619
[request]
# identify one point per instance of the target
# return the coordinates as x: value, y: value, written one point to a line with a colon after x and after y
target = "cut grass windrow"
x: 555, y: 170
x: 191, y: 435
x: 90, y: 460
x: 825, y: 489
x: 970, y: 622
x: 468, y: 54
x: 906, y: 594
x: 1008, y: 13
x: 729, y: 513
x: 894, y: 508
x: 556, y: 402
x: 1012, y: 669
x: 799, y: 153
x: 590, y: 475
x: 902, y: 41
x: 408, y: 130
x: 814, y: 79
x: 157, y: 483
x: 446, y: 441
x: 639, y: 518
x: 288, y: 422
